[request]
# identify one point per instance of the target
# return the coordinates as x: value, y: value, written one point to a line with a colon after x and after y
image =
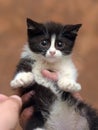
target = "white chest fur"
x: 64, y: 68
x: 38, y: 66
x: 67, y: 73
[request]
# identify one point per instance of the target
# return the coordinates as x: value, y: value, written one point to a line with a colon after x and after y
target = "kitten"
x: 49, y: 47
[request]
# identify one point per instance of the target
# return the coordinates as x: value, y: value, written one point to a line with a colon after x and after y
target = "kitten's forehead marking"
x: 53, y: 39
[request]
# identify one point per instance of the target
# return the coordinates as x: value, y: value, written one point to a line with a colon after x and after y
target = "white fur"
x: 52, y: 47
x: 22, y: 79
x: 57, y: 55
x: 67, y: 73
x: 67, y: 117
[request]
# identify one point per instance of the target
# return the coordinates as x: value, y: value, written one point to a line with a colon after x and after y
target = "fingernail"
x: 32, y: 93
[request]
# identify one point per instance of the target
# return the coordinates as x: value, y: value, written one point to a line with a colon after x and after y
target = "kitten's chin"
x: 52, y: 59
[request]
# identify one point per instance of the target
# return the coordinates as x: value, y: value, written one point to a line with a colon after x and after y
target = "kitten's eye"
x: 60, y: 45
x: 44, y: 43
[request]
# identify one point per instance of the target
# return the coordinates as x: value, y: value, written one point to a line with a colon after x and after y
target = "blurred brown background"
x: 13, y: 36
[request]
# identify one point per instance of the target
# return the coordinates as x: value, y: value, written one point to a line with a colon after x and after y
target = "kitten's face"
x: 51, y: 40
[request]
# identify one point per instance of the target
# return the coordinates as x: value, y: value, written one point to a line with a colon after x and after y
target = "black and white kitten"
x: 49, y: 47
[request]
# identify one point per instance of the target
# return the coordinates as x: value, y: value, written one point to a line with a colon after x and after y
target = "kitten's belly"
x: 58, y: 121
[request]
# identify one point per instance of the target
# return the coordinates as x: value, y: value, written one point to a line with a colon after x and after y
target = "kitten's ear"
x: 72, y: 28
x: 32, y: 24
x: 70, y: 31
x: 34, y: 28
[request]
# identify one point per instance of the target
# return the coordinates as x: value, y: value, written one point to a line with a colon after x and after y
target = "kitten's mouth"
x: 50, y: 70
x: 52, y: 57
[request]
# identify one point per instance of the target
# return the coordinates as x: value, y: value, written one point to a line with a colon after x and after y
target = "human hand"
x: 50, y: 75
x: 28, y: 111
x: 9, y: 111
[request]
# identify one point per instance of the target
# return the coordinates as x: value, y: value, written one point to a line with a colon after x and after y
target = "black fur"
x: 37, y: 33
x: 41, y: 101
x: 25, y: 64
x: 44, y: 99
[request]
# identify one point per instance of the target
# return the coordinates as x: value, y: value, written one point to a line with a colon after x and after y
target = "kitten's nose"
x: 52, y: 53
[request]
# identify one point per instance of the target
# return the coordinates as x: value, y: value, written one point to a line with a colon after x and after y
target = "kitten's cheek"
x: 25, y: 115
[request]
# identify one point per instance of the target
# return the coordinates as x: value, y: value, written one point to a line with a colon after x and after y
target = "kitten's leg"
x: 69, y: 85
x: 24, y: 75
x: 67, y: 78
x: 22, y: 79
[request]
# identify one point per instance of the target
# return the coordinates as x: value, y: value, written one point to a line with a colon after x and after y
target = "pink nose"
x: 52, y: 53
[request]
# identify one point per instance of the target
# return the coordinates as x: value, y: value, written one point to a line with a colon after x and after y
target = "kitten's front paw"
x: 22, y: 79
x: 69, y: 85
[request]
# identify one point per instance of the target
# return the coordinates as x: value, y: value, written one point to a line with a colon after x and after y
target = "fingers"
x: 26, y: 114
x: 78, y: 96
x: 9, y: 111
x: 12, y: 100
x: 16, y: 100
x: 50, y: 75
x: 27, y: 96
x: 3, y: 97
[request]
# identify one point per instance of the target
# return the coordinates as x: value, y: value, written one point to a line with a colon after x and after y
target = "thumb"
x: 16, y: 100
x: 11, y: 107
